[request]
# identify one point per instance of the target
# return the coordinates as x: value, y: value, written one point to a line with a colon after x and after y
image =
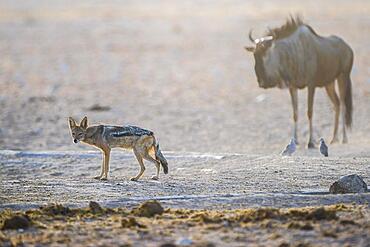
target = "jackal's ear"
x: 72, y: 123
x: 83, y: 123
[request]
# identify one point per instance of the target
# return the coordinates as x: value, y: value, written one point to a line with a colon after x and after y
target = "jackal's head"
x: 78, y: 131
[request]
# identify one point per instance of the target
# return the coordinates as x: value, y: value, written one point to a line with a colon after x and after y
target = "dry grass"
x: 56, y: 224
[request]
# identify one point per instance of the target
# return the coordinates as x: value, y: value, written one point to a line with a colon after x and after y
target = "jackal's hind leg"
x: 156, y: 162
x: 141, y: 163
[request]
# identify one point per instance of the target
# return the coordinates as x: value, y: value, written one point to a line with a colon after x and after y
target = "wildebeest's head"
x: 260, y: 52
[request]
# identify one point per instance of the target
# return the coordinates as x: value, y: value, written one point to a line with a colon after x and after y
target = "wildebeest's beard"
x: 260, y: 51
x: 263, y: 80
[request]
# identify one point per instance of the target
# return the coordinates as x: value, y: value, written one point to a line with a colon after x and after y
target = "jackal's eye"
x: 73, y: 133
x: 80, y: 135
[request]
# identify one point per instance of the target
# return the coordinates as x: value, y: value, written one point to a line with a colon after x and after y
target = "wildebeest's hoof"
x: 104, y: 178
x: 155, y: 178
x: 311, y: 145
x: 334, y: 140
x: 133, y: 179
x: 97, y: 177
x: 345, y: 141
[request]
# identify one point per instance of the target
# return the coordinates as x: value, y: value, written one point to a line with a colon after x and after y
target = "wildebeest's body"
x: 295, y: 57
x: 305, y: 58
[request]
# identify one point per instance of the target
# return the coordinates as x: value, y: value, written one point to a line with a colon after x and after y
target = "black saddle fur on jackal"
x: 130, y: 130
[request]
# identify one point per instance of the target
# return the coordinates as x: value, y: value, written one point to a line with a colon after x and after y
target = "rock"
x: 168, y: 245
x: 321, y: 214
x: 184, y: 242
x: 300, y: 226
x: 348, y: 184
x: 97, y: 107
x: 16, y: 222
x: 95, y: 207
x: 130, y: 223
x: 205, y: 244
x: 148, y: 209
x: 55, y: 209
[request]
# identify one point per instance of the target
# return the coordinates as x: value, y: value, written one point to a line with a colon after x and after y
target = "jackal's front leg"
x: 106, y: 164
x: 102, y: 169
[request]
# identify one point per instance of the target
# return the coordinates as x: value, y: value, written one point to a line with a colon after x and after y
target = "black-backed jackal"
x: 106, y: 137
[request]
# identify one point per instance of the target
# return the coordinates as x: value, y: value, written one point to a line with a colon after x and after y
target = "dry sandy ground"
x: 32, y: 179
x: 179, y: 69
x: 203, y: 182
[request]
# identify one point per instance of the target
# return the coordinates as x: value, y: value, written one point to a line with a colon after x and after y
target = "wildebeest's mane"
x: 290, y: 26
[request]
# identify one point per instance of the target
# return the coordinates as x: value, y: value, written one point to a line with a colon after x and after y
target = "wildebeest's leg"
x: 342, y: 95
x: 330, y: 89
x: 141, y: 163
x: 311, y: 94
x: 294, y: 96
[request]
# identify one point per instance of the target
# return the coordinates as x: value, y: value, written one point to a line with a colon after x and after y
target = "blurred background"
x: 175, y: 67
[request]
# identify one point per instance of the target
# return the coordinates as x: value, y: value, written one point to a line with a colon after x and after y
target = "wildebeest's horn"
x: 268, y: 38
x: 250, y: 36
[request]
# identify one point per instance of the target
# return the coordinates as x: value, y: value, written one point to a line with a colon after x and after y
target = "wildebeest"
x: 294, y: 56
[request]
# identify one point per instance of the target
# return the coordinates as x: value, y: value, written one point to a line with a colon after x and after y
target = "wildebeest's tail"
x: 345, y: 86
x: 348, y: 100
x: 159, y: 156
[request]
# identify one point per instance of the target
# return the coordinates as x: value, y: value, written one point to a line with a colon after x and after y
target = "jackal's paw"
x: 155, y: 177
x: 133, y: 179
x: 97, y: 177
x: 103, y: 178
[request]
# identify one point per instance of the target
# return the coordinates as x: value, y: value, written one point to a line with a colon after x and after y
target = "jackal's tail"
x: 159, y: 156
